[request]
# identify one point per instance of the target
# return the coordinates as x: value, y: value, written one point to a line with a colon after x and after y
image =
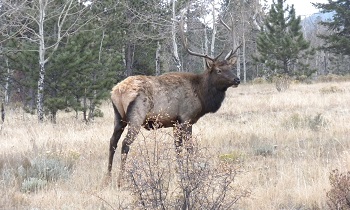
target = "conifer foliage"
x: 339, y: 40
x: 281, y: 44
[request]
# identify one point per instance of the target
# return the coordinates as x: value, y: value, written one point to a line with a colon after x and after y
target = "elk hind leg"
x: 129, y: 139
x: 136, y: 115
x: 119, y: 126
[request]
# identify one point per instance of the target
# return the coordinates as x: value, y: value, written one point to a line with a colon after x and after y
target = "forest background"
x: 264, y: 149
x: 66, y: 55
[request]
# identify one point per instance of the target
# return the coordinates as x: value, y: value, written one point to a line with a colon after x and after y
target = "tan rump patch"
x: 126, y: 91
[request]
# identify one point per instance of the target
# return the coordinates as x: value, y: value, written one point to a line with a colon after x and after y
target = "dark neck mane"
x: 211, y: 98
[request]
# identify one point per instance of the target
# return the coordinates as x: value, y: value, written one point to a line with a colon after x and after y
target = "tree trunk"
x: 285, y: 67
x: 243, y: 49
x: 92, y: 106
x: 85, y: 108
x: 41, y: 81
x: 212, y: 47
x: 2, y: 112
x: 205, y: 44
x: 128, y: 59
x: 7, y: 84
x: 238, y: 63
x: 40, y: 97
x: 54, y: 116
x: 173, y: 32
x: 159, y: 47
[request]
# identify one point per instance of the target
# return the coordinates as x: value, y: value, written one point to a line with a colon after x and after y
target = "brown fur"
x: 170, y: 99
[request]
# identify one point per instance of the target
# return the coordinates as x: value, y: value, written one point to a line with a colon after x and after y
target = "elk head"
x: 221, y: 74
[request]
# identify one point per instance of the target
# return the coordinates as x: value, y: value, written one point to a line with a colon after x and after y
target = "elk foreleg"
x: 183, y: 134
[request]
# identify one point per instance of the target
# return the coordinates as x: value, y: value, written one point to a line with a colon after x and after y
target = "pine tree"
x: 339, y: 41
x: 76, y: 78
x: 281, y: 44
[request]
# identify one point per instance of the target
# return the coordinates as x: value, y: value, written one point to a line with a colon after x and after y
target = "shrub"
x: 315, y: 123
x: 303, y: 79
x: 331, y: 89
x: 339, y: 194
x: 47, y: 168
x: 233, y: 157
x: 193, y: 179
x: 33, y: 185
x: 259, y: 80
x: 33, y: 173
x: 329, y: 78
x: 282, y: 82
x: 265, y: 150
x: 98, y: 113
x: 295, y: 121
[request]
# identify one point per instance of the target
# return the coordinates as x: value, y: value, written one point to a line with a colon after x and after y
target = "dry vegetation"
x: 286, y: 145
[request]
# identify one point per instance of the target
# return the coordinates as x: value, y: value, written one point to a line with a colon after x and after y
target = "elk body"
x: 172, y: 100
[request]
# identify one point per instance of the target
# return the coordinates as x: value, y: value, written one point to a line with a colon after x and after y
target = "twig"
x: 97, y: 196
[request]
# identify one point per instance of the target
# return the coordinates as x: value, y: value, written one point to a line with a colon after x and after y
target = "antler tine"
x: 219, y: 54
x: 240, y: 45
x: 233, y: 52
x: 184, y: 42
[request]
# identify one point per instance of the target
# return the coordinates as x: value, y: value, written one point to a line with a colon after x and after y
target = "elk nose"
x: 237, y: 80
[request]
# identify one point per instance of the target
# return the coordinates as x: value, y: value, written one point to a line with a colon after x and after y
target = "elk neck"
x: 210, y: 96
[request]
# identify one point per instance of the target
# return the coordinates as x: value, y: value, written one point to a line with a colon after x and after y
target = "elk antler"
x: 184, y: 42
x: 233, y: 51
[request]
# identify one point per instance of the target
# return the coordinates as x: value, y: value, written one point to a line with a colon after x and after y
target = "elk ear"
x: 232, y: 60
x: 209, y: 63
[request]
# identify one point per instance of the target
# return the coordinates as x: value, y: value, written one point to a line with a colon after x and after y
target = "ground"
x: 286, y: 144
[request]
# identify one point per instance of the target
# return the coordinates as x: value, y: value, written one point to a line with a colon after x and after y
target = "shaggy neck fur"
x: 211, y: 97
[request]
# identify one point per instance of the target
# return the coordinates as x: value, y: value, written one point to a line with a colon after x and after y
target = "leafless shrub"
x: 192, y: 180
x: 33, y: 170
x: 329, y: 78
x: 315, y: 123
x: 259, y: 80
x: 150, y: 172
x: 331, y: 89
x: 282, y: 82
x: 339, y: 195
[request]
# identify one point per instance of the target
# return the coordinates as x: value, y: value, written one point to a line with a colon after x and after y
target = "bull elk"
x: 171, y: 99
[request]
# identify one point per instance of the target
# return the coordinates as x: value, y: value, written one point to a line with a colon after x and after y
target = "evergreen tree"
x: 281, y: 44
x: 76, y: 77
x: 22, y: 65
x: 339, y: 41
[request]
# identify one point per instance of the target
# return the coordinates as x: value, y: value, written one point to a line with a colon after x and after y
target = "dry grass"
x: 287, y: 142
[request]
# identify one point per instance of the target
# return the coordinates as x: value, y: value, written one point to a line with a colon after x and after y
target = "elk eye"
x: 218, y: 71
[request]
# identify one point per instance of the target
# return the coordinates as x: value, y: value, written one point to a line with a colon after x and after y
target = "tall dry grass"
x: 286, y: 142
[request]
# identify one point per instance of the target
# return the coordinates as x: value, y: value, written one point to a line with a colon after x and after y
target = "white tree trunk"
x: 212, y: 47
x: 7, y: 84
x: 159, y: 47
x: 206, y: 41
x: 173, y: 32
x: 243, y: 50
x: 41, y: 81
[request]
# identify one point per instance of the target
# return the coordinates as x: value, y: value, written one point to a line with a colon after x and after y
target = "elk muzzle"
x: 236, y: 82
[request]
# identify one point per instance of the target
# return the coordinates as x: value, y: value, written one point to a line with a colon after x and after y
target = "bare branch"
x: 225, y: 25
